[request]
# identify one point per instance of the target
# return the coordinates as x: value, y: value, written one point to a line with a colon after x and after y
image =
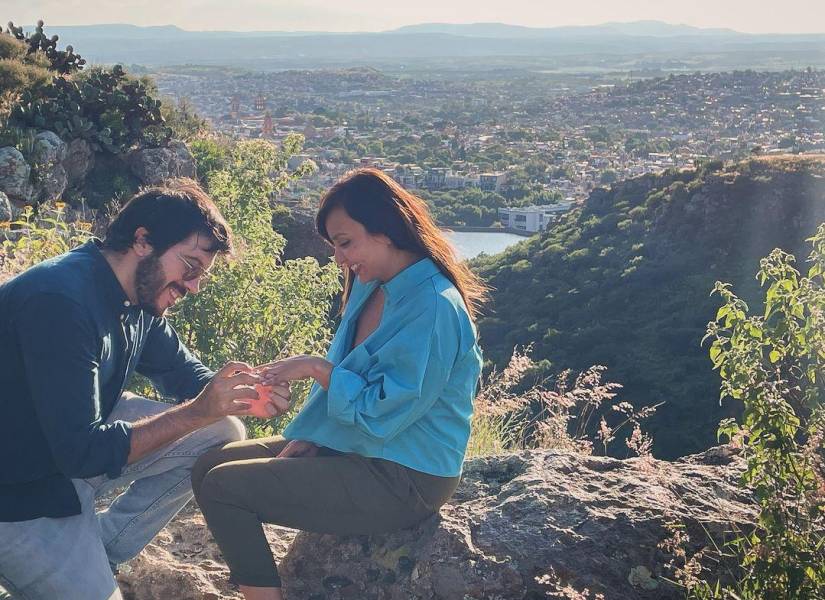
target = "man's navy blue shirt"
x: 69, y: 341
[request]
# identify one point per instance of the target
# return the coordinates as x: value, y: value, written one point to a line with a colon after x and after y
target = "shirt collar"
x: 408, y: 279
x: 105, y: 276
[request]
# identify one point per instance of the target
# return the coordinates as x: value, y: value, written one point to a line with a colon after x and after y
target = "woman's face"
x: 368, y: 255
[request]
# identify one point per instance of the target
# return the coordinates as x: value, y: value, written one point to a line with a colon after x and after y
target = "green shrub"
x: 17, y: 76
x: 257, y: 309
x: 36, y: 236
x: 106, y: 107
x: 773, y: 363
x: 210, y: 154
x: 19, y: 72
x: 37, y: 43
x: 182, y: 118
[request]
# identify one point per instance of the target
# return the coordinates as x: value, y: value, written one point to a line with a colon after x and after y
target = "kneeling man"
x: 74, y: 329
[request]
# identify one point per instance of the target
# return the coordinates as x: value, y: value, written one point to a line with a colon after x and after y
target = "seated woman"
x: 379, y: 443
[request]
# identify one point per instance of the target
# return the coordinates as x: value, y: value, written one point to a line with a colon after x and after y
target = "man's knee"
x: 228, y: 429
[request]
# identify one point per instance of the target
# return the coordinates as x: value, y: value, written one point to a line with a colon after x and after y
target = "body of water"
x: 472, y: 243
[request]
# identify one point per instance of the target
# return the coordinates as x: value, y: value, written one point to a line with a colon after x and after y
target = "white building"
x: 532, y: 218
x: 491, y: 182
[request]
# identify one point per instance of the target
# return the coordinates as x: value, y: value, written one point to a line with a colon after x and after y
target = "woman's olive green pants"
x: 242, y: 485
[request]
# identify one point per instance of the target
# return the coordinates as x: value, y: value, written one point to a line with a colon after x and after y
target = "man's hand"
x: 230, y: 392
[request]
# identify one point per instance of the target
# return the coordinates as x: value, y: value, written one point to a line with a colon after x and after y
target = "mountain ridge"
x: 625, y: 282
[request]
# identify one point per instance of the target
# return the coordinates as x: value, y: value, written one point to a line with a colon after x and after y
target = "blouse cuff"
x: 344, y: 388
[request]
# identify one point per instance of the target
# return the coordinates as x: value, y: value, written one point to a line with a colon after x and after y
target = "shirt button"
x: 127, y: 304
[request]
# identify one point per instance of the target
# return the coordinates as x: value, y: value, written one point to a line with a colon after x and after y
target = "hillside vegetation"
x: 625, y: 282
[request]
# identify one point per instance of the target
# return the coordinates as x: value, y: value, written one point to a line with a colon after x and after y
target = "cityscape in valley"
x: 487, y: 149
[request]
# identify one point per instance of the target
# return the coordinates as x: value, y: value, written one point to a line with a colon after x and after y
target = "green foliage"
x: 257, y: 309
x: 183, y: 120
x: 210, y: 154
x: 36, y: 236
x: 110, y: 182
x: 635, y: 299
x: 773, y: 364
x: 19, y: 72
x: 17, y: 75
x: 476, y: 208
x: 62, y: 62
x: 108, y: 108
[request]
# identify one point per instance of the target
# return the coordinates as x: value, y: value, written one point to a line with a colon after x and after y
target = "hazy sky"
x: 786, y: 16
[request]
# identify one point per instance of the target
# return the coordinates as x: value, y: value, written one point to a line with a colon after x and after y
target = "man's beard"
x: 150, y: 284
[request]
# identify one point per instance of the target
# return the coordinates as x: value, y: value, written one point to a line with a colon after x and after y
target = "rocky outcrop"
x: 531, y: 525
x: 48, y: 149
x: 6, y: 212
x: 154, y: 165
x: 53, y: 168
x: 15, y: 175
x: 79, y: 161
x: 47, y: 156
x: 301, y: 237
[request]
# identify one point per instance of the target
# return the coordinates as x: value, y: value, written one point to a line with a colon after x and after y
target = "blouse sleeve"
x: 405, y: 377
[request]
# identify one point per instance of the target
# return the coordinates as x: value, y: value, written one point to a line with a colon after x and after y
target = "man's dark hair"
x: 170, y: 213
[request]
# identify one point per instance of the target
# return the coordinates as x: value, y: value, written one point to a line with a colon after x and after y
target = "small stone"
x: 389, y: 578
x: 405, y: 565
x: 335, y: 582
x: 642, y: 577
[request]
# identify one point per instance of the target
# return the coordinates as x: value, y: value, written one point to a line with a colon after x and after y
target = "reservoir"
x: 472, y: 243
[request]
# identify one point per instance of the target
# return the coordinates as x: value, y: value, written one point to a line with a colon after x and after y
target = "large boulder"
x: 47, y: 149
x: 15, y: 175
x: 78, y: 162
x: 153, y: 165
x: 531, y: 525
x: 302, y: 239
x: 6, y: 212
x: 50, y: 183
x: 47, y: 156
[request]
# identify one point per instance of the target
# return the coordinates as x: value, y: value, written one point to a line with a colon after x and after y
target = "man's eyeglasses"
x: 193, y: 272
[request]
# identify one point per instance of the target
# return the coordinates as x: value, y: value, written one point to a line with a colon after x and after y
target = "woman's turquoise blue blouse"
x: 405, y: 393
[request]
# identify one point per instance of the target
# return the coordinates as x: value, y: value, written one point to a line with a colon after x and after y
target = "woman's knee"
x: 218, y: 484
x: 203, y: 465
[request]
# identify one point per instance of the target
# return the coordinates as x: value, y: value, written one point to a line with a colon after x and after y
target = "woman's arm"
x: 295, y: 368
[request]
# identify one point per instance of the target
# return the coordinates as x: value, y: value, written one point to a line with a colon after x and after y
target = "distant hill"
x: 617, y: 44
x: 501, y: 30
x: 625, y: 282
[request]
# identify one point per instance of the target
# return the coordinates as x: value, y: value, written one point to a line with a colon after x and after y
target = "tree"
x: 258, y: 308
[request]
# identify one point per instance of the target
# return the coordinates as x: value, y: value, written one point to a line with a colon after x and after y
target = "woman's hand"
x: 298, y: 448
x: 296, y: 368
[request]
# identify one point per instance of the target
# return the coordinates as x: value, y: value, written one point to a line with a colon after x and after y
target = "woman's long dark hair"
x: 382, y: 206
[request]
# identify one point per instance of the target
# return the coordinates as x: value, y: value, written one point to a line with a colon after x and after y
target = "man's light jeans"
x: 71, y: 558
